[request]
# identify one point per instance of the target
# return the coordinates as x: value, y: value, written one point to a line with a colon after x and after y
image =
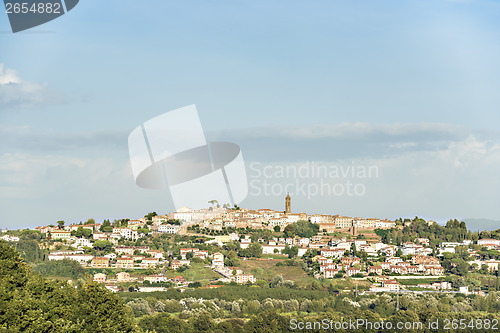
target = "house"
x: 375, y: 270
x: 424, y: 260
x: 423, y: 241
x: 330, y: 273
x: 324, y: 267
x: 150, y: 262
x: 443, y: 285
x: 270, y: 249
x: 218, y: 256
x: 492, y: 265
x: 10, y: 238
x: 155, y: 278
x: 201, y: 254
x: 350, y: 271
x: 43, y: 229
x: 155, y: 253
x: 112, y: 288
x: 335, y: 253
x: 385, y: 265
x: 175, y: 264
x: 179, y: 280
x: 60, y: 234
x: 124, y: 262
x: 347, y: 261
x: 244, y: 278
x: 488, y: 242
x: 392, y: 285
x: 111, y: 256
x: 100, y: 278
x: 433, y: 270
x: 76, y: 226
x: 184, y: 252
x: 123, y: 277
x: 100, y: 262
x: 394, y: 260
x: 82, y: 242
x: 80, y: 257
x: 245, y: 243
x: 329, y: 227
x: 222, y: 239
x: 169, y: 228
x: 99, y: 236
x: 323, y: 260
x: 127, y: 233
x: 217, y: 264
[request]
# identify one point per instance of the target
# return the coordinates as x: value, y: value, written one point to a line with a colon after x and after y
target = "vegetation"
x: 29, y: 302
x: 65, y: 268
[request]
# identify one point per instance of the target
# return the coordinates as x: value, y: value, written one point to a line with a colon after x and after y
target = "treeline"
x: 274, y: 315
x: 275, y: 322
x: 65, y: 268
x: 32, y: 303
x: 453, y: 231
x: 232, y: 293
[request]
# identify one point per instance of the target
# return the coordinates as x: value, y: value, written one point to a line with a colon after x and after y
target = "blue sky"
x: 408, y: 86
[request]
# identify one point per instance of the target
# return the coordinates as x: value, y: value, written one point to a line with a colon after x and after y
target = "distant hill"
x: 474, y: 224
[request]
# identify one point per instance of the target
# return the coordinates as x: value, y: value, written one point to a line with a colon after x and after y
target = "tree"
x: 277, y: 281
x: 106, y: 226
x: 102, y: 245
x: 78, y: 232
x: 163, y: 323
x: 289, y: 231
x: 61, y: 268
x: 149, y: 216
x: 255, y: 250
x: 203, y: 322
x: 291, y: 251
x: 86, y: 233
x: 277, y: 228
x: 305, y: 229
x: 31, y: 303
x: 30, y: 251
x: 60, y: 224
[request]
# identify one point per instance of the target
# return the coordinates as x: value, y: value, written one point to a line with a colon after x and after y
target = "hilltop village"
x: 231, y: 245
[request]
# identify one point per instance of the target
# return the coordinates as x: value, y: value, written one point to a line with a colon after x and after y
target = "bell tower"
x: 288, y: 204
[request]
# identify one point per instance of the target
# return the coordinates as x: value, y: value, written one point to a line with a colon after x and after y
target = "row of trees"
x: 274, y: 314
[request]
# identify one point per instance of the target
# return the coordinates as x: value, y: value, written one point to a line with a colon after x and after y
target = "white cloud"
x: 458, y: 179
x: 30, y: 139
x: 355, y: 131
x: 14, y: 91
x: 43, y: 189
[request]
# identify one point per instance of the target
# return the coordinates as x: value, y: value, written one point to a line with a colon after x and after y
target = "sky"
x: 406, y: 89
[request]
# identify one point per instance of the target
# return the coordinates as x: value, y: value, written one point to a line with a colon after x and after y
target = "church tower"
x: 288, y: 204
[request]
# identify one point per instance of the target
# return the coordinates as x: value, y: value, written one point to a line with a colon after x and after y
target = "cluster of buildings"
x: 228, y: 272
x: 159, y: 224
x: 219, y: 218
x: 334, y: 257
x: 9, y: 238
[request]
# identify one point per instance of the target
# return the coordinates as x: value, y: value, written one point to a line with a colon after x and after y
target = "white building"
x: 168, y: 228
x: 184, y: 214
